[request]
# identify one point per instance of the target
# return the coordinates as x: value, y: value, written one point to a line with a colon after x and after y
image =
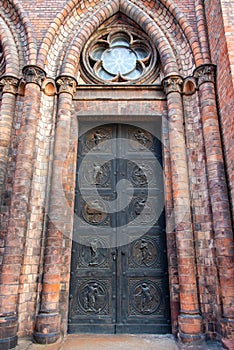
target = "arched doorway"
x: 119, y: 279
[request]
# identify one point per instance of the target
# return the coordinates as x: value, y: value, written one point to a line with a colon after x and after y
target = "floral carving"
x: 34, y: 74
x: 205, y: 73
x: 173, y: 84
x: 9, y: 84
x: 66, y: 84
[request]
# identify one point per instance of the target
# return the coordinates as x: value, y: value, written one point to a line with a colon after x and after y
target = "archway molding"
x: 16, y: 36
x: 161, y: 20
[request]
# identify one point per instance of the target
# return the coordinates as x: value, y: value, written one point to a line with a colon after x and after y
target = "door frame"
x: 117, y: 324
x: 123, y: 104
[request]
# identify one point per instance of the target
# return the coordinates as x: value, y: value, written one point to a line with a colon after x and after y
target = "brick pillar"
x: 189, y: 319
x: 47, y: 328
x: 10, y: 88
x: 14, y: 243
x: 223, y: 233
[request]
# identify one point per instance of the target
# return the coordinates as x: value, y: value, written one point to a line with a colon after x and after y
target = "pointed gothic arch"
x: 184, y: 97
x: 17, y: 39
x: 60, y: 50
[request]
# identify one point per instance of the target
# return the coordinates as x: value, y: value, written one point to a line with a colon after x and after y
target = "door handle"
x: 114, y: 255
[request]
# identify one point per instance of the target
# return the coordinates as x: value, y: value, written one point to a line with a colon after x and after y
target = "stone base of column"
x: 190, y: 329
x: 227, y: 327
x: 47, y: 328
x: 8, y: 332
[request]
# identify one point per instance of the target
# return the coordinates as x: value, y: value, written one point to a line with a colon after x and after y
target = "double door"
x: 119, y: 279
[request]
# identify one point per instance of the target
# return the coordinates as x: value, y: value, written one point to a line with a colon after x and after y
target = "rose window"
x: 119, y: 56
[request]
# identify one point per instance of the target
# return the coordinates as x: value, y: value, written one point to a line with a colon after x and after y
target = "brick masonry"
x: 40, y: 100
x: 220, y: 19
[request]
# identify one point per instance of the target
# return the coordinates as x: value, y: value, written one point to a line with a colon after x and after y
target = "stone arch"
x: 78, y: 20
x: 17, y: 39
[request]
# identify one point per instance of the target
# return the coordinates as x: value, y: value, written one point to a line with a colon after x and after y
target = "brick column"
x: 189, y: 319
x: 10, y: 88
x: 15, y: 238
x: 223, y: 233
x: 47, y: 328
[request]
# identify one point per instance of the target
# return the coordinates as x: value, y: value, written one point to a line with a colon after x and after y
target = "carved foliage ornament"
x: 9, y: 84
x: 173, y: 84
x: 34, y: 74
x: 66, y: 84
x: 204, y: 74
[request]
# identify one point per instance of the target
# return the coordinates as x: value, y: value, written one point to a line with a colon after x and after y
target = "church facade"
x: 116, y: 169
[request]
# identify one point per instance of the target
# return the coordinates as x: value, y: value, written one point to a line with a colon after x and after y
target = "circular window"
x: 119, y: 56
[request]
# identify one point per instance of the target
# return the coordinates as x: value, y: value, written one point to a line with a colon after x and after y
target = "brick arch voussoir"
x: 70, y: 20
x: 186, y: 27
x: 71, y: 63
x: 10, y: 53
x: 167, y: 56
x: 20, y: 30
x: 87, y: 28
x: 189, y: 56
x: 52, y: 32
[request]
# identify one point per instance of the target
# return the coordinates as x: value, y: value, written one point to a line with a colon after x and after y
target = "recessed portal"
x: 119, y: 279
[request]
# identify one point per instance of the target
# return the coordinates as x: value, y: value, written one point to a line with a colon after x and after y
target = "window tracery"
x: 119, y: 55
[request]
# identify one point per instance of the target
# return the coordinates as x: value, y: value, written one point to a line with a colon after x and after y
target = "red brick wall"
x: 41, y: 15
x: 44, y: 12
x: 228, y: 19
x: 220, y: 31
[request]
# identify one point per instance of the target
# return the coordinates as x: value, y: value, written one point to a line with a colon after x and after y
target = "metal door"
x: 119, y: 280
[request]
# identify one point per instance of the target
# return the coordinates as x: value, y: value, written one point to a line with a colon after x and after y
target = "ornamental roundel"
x: 93, y: 297
x: 119, y: 55
x: 146, y: 297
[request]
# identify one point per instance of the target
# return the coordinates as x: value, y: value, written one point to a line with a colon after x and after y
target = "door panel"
x: 119, y: 276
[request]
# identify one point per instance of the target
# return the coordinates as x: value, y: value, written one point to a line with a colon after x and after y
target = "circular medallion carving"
x: 94, y: 212
x: 145, y: 297
x: 145, y: 252
x: 94, y: 139
x: 142, y: 174
x: 139, y: 175
x: 141, y: 210
x: 92, y: 297
x: 94, y: 253
x: 95, y: 173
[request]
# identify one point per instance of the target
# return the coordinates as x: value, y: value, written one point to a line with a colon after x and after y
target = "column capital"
x: 34, y: 74
x: 205, y: 74
x: 9, y: 84
x: 66, y: 83
x: 173, y: 83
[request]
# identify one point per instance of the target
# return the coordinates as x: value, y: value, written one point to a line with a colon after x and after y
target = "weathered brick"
x: 34, y: 145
